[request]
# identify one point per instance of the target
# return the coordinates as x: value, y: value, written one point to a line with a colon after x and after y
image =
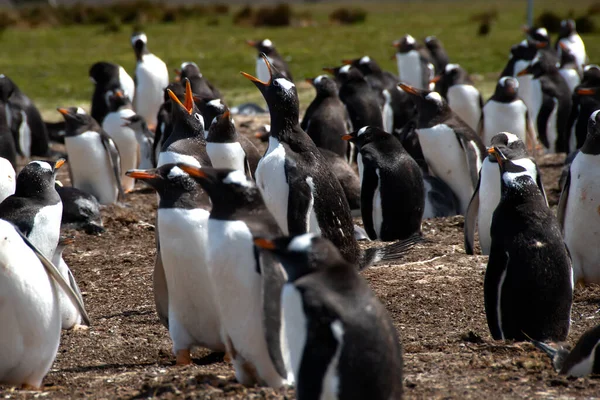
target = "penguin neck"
x: 232, y: 202
x: 44, y: 192
x: 183, y: 199
x: 282, y: 126
x: 139, y: 54
x: 591, y: 145
x: 521, y: 190
x: 183, y: 130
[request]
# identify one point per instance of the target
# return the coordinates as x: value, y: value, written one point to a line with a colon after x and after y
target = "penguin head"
x: 139, y: 42
x: 76, y: 119
x: 433, y: 43
x: 135, y: 122
x: 525, y: 50
x: 103, y: 73
x: 519, y: 174
x: 115, y: 99
x: 345, y: 73
x: 37, y: 178
x: 593, y: 130
x: 63, y: 242
x: 509, y: 145
x: 540, y: 65
x: 566, y: 55
x: 303, y: 254
x: 186, y: 113
x: 265, y: 46
x: 507, y: 89
x: 451, y: 75
x: 430, y: 105
x: 167, y: 179
x: 591, y: 76
x: 366, y: 65
x: 405, y: 44
x: 7, y: 87
x: 366, y: 135
x: 537, y: 34
x: 567, y: 28
x: 324, y: 85
x: 188, y: 70
x: 222, y: 128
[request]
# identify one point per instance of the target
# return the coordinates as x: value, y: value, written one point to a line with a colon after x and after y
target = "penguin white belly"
x: 170, y: 157
x: 90, y: 166
x: 193, y: 314
x: 126, y: 142
x: 576, y: 46
x: 360, y: 166
x: 464, y: 101
x: 377, y: 211
x: 238, y: 287
x: 29, y: 311
x: 145, y: 146
x: 447, y: 161
x: 388, y: 113
x: 25, y: 136
x: 504, y: 117
x: 127, y: 84
x: 585, y: 366
x: 45, y: 231
x: 571, y: 77
x: 152, y: 78
x: 272, y: 182
x: 581, y: 219
x: 551, y: 128
x: 69, y: 314
x: 409, y: 68
x: 226, y: 155
x: 293, y: 330
x: 262, y: 72
x: 8, y: 179
x: 331, y: 381
x: 536, y: 99
x: 489, y: 197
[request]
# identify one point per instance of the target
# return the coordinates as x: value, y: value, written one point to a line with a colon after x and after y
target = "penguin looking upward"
x: 151, y: 78
x: 339, y: 341
x: 438, y: 53
x: 267, y: 48
x: 415, y: 66
x: 568, y: 38
x: 108, y: 76
x: 200, y: 85
x: 164, y: 123
x: 144, y: 137
x: 528, y: 285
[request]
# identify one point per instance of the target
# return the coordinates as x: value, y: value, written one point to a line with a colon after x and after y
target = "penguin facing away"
x: 108, y: 76
x: 528, y: 285
x: 438, y: 53
x: 200, y: 85
x: 337, y: 338
x: 267, y: 48
x: 144, y: 137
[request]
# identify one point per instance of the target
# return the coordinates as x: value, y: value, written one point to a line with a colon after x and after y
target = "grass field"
x: 51, y: 64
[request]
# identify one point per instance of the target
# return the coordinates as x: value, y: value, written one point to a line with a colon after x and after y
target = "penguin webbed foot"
x: 183, y: 357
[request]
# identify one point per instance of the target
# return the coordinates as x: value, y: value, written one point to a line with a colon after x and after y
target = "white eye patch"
x: 435, y: 96
x: 318, y: 79
x: 42, y: 164
x: 284, y: 83
x: 365, y: 60
x: 175, y: 172
x: 345, y: 69
x: 141, y: 36
x: 80, y: 111
x: 302, y: 242
x: 237, y: 178
x: 362, y: 130
x: 451, y: 67
x: 410, y: 39
x: 267, y: 43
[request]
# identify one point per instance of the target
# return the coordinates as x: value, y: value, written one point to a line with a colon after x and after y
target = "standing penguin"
x: 8, y: 148
x: 568, y: 38
x: 35, y: 208
x: 438, y: 53
x: 487, y: 193
x: 164, y: 123
x: 392, y: 193
x: 506, y: 112
x: 124, y: 137
x: 528, y: 286
x: 7, y: 179
x: 108, y: 77
x: 415, y: 67
x: 569, y: 69
x: 70, y: 316
x: 578, y: 206
x: 246, y: 284
x: 586, y: 100
x: 453, y: 151
x: 144, y: 137
x: 455, y: 85
x: 94, y: 161
x: 338, y: 339
x: 151, y: 78
x: 200, y: 85
x: 267, y: 48
x: 182, y: 218
x: 326, y: 118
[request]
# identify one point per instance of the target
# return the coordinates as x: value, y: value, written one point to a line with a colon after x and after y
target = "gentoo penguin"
x: 347, y: 177
x: 144, y: 138
x: 581, y: 361
x: 36, y: 208
x: 569, y: 68
x: 124, y: 136
x: 440, y: 200
x: 164, y: 124
x: 553, y: 114
x: 537, y: 34
x: 81, y: 210
x: 578, y: 206
x: 94, y: 161
x: 228, y: 149
x: 70, y: 316
x: 200, y: 85
x: 8, y: 148
x: 568, y: 38
x: 506, y: 112
x: 267, y: 47
x: 182, y: 219
x: 108, y: 77
x: 455, y: 85
x: 294, y: 179
x: 488, y: 191
x: 391, y: 191
x: 241, y: 277
x: 338, y: 340
x: 438, y: 53
x: 528, y: 285
x: 151, y: 78
x: 8, y: 179
x: 415, y: 67
x: 210, y: 109
x: 586, y: 100
x: 30, y: 334
x: 358, y: 97
x: 326, y: 118
x: 453, y: 151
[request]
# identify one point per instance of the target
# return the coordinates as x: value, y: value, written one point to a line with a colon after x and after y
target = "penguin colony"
x: 258, y: 255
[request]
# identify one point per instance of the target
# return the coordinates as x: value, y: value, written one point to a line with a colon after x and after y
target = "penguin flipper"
x: 497, y: 265
x: 470, y: 220
x: 530, y: 137
x: 539, y: 182
x: 367, y: 191
x: 473, y: 156
x: 74, y: 285
x: 299, y: 200
x: 115, y: 161
x: 562, y: 202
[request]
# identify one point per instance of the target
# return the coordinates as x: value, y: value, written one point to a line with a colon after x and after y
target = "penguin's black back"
x: 8, y: 149
x: 554, y: 87
x: 346, y: 176
x: 325, y: 122
x: 81, y: 210
x: 362, y: 104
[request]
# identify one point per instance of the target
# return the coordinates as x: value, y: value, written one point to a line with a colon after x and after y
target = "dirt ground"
x: 435, y: 297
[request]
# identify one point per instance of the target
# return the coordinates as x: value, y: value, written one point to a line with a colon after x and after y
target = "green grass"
x: 51, y: 64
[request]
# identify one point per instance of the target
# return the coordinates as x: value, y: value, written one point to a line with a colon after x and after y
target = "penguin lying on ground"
x: 108, y: 77
x: 81, y: 210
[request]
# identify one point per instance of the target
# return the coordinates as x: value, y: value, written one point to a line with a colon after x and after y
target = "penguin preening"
x: 267, y: 48
x: 94, y: 161
x: 144, y: 137
x: 528, y: 285
x: 81, y: 210
x: 415, y: 66
x: 106, y: 77
x: 438, y: 53
x: 338, y: 341
x: 568, y: 38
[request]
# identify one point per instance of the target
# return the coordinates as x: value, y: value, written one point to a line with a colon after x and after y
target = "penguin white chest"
x: 126, y: 142
x: 504, y: 117
x: 145, y: 146
x: 409, y: 68
x: 377, y: 211
x: 331, y: 381
x: 226, y: 155
x: 25, y: 136
x: 152, y: 78
x: 571, y: 76
x: 272, y: 182
x: 45, y: 231
x: 8, y: 179
x: 127, y: 83
x: 388, y: 112
x: 536, y: 98
x: 489, y: 197
x: 465, y: 102
x: 293, y: 329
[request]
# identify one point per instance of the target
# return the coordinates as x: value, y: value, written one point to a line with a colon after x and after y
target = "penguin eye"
x: 275, y: 82
x: 198, y: 116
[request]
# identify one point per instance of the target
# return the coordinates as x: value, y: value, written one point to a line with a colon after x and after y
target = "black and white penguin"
x: 80, y: 211
x: 415, y: 66
x: 210, y: 109
x: 94, y: 161
x: 347, y: 177
x: 578, y: 206
x: 182, y: 218
x: 453, y: 151
x: 108, y: 77
x: 338, y: 339
x: 537, y: 34
x: 488, y: 191
x: 586, y: 100
x: 247, y: 285
x: 36, y: 208
x: 71, y: 317
x: 455, y: 84
x: 163, y: 124
x: 201, y: 86
x: 568, y: 38
x: 144, y: 137
x: 392, y: 192
x: 267, y: 47
x: 326, y: 119
x: 505, y: 111
x: 438, y: 53
x: 151, y: 79
x: 553, y: 115
x: 528, y: 285
x: 228, y: 149
x: 358, y: 97
x: 8, y: 148
x: 8, y: 179
x: 569, y: 68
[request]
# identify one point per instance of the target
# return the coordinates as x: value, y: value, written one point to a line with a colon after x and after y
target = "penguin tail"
x: 391, y: 252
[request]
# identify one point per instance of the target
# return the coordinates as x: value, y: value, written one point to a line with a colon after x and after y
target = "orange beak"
x: 409, y: 89
x: 347, y: 137
x: 177, y: 71
x: 347, y: 62
x: 65, y: 241
x: 540, y: 45
x: 226, y: 114
x: 255, y: 79
x: 59, y: 163
x: 192, y: 171
x: 141, y: 174
x: 563, y: 46
x: 308, y: 80
x: 188, y: 104
x: 119, y: 94
x: 586, y: 91
x: 330, y: 70
x: 436, y: 79
x: 63, y: 111
x: 396, y: 43
x: 251, y: 43
x: 492, y: 151
x: 264, y: 244
x: 523, y: 72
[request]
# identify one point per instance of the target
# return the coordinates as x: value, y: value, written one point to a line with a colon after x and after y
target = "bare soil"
x: 435, y: 297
